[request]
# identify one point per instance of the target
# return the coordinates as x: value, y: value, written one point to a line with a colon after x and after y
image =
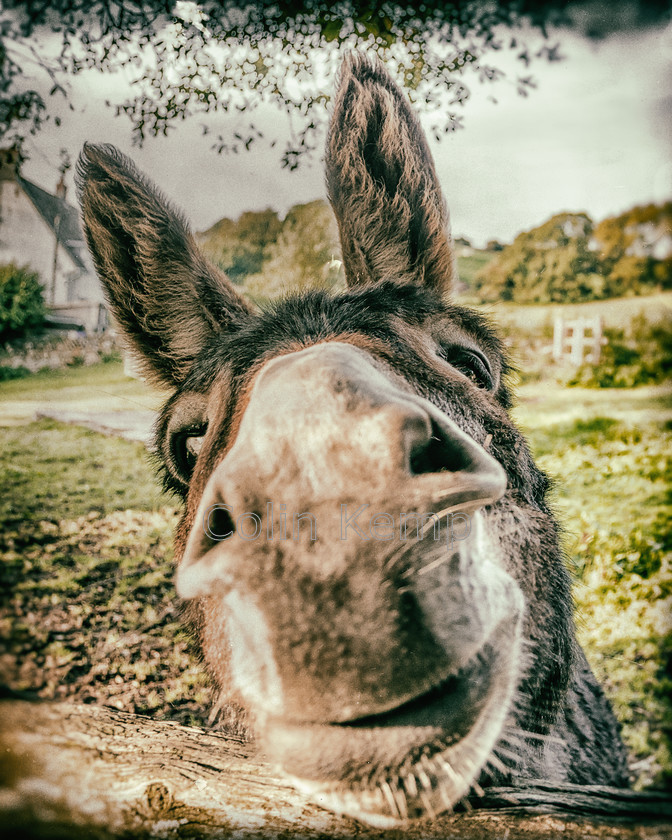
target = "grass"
x: 75, y: 381
x: 88, y: 610
x: 612, y: 494
x: 545, y: 406
x: 102, y: 387
x: 469, y: 266
x: 51, y: 472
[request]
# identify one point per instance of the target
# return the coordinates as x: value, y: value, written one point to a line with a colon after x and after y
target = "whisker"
x: 478, y: 790
x: 536, y: 736
x: 434, y: 564
x: 411, y: 785
x: 460, y: 505
x: 435, y: 556
x: 389, y: 797
x: 424, y: 779
x: 396, y: 555
x: 507, y: 754
x: 497, y: 764
x: 402, y: 802
x: 443, y: 793
x: 427, y: 804
x: 449, y: 770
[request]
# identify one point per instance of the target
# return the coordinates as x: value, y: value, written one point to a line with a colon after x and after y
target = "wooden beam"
x: 79, y: 771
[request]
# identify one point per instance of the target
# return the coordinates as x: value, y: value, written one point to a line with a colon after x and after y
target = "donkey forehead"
x: 335, y: 371
x: 384, y: 320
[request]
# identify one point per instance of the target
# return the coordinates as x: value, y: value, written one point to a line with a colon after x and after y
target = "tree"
x: 551, y: 262
x: 241, y: 248
x: 303, y: 257
x: 21, y: 302
x: 192, y: 58
x: 636, y: 247
x: 569, y: 259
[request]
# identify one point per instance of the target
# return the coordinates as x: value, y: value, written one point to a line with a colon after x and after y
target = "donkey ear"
x: 382, y: 184
x: 164, y: 294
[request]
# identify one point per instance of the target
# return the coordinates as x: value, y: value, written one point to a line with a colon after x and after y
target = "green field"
x: 89, y: 609
x: 613, y: 477
x: 469, y: 266
x: 103, y: 386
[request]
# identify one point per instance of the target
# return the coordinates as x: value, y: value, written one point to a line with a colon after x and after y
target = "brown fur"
x: 133, y: 239
x: 383, y: 185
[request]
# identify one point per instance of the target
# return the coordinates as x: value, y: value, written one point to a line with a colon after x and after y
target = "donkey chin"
x: 416, y: 755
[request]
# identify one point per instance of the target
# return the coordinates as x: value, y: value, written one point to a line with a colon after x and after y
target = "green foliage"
x: 7, y: 373
x: 638, y: 355
x: 21, y: 303
x: 626, y: 251
x: 612, y: 496
x: 269, y: 256
x: 240, y: 248
x: 174, y: 54
x: 549, y: 263
x: 302, y: 256
x: 568, y: 259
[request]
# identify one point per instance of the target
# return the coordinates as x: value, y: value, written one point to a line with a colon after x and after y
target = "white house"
x: 42, y: 231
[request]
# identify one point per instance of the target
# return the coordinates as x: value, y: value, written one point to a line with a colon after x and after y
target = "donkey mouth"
x: 418, y: 759
x: 452, y: 704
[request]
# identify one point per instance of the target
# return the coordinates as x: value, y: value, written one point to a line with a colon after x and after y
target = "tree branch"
x: 85, y: 771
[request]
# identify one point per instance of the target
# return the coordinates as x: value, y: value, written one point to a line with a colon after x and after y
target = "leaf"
x: 331, y: 31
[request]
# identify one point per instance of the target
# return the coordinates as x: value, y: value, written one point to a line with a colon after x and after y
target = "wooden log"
x: 91, y: 772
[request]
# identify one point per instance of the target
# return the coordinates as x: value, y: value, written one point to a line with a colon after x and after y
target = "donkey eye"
x: 185, y: 447
x: 181, y: 435
x: 471, y: 363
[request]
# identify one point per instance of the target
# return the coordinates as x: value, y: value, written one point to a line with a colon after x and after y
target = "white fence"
x: 571, y: 338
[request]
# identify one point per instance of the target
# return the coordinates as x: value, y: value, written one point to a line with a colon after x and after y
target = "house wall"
x: 25, y: 239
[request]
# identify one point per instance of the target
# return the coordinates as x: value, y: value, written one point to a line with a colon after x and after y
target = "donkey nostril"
x: 438, y: 454
x: 217, y: 523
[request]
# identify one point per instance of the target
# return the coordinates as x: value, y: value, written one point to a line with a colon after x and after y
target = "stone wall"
x: 61, y: 349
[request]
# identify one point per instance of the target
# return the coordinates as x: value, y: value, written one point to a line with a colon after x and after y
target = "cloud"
x: 593, y: 136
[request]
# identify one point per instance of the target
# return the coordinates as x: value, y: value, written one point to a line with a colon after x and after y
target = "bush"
x: 642, y: 355
x: 21, y: 303
x: 113, y: 356
x: 7, y: 373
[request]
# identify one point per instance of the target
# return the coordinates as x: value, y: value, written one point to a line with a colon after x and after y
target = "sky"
x: 594, y: 136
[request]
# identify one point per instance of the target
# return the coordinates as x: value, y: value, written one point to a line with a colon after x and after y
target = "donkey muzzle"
x: 326, y: 426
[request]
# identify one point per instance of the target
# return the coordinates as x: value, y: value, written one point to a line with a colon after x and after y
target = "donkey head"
x: 374, y: 572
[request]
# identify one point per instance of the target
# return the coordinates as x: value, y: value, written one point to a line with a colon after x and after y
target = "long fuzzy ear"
x: 382, y: 183
x: 166, y: 297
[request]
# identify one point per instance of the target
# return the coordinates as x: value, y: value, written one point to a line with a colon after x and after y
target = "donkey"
x: 372, y: 566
